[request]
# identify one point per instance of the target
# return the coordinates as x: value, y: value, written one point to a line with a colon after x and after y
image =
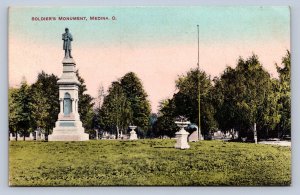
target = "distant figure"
x: 67, y: 38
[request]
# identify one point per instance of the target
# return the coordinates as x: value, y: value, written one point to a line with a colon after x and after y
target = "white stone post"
x: 182, y: 135
x: 30, y: 136
x: 133, y: 135
x: 96, y: 134
x: 37, y: 135
x: 255, y: 133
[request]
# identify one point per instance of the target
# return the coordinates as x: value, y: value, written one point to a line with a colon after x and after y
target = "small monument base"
x: 194, y: 137
x: 133, y: 135
x: 68, y: 131
x: 181, y: 139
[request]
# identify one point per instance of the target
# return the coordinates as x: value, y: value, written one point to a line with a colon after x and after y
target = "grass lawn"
x: 147, y: 162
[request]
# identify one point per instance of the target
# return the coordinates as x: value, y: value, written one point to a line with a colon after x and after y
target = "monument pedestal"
x: 181, y: 139
x: 182, y: 135
x: 68, y: 127
x: 133, y: 135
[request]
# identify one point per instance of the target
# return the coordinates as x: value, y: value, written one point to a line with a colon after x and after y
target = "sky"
x: 157, y: 43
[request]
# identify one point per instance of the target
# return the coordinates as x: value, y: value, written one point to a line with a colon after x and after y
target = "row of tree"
x: 37, y: 105
x: 240, y: 97
x: 237, y: 99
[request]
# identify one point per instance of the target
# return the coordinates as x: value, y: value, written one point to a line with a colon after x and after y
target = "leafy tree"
x: 165, y: 124
x: 284, y: 72
x: 136, y: 95
x: 186, y: 99
x: 45, y: 102
x: 21, y: 116
x: 85, y: 104
x: 116, y: 113
x: 14, y: 109
x: 244, y: 96
x: 185, y: 103
x: 153, y: 119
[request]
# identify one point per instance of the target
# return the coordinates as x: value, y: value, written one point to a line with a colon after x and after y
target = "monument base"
x: 68, y: 131
x: 133, y: 135
x: 181, y: 140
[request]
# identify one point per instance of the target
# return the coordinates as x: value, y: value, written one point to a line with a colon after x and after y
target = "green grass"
x: 147, y: 162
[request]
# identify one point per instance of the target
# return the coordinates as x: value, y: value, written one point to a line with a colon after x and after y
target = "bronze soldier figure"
x: 67, y: 38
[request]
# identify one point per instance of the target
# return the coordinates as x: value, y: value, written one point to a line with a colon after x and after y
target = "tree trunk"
x: 117, y: 133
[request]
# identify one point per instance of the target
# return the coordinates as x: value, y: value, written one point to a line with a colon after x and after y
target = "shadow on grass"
x: 163, y: 147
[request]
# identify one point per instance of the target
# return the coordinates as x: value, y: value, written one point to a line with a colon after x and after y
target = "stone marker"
x: 133, y: 135
x: 31, y: 136
x: 37, y: 137
x: 255, y: 133
x: 42, y: 136
x: 96, y: 134
x: 194, y: 137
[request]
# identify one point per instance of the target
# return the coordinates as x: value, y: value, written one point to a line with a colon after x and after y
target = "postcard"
x: 149, y: 96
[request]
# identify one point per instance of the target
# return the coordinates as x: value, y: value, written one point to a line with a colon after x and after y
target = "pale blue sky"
x: 143, y: 25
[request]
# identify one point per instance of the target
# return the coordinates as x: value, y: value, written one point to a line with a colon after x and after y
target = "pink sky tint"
x: 157, y: 66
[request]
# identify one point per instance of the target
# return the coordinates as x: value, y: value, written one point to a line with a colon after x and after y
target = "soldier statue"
x: 67, y: 38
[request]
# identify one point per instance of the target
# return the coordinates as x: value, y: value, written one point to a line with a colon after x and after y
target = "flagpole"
x: 199, y: 95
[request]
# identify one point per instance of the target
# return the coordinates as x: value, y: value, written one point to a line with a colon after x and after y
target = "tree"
x: 136, y: 95
x: 45, y: 102
x: 284, y: 72
x: 22, y: 113
x: 85, y: 104
x: 185, y: 103
x: 116, y: 112
x: 244, y: 96
x: 14, y: 109
x: 153, y: 119
x: 186, y: 99
x: 165, y: 124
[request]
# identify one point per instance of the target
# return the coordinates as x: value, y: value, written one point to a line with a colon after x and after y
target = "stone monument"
x: 133, y: 135
x: 196, y: 135
x: 182, y: 134
x: 68, y: 127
